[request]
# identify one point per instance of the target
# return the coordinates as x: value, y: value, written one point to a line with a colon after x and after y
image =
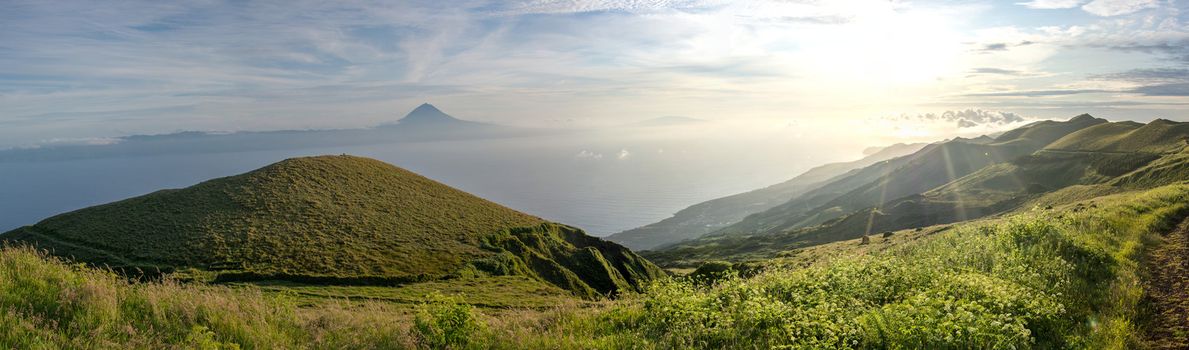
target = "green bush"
x: 443, y: 322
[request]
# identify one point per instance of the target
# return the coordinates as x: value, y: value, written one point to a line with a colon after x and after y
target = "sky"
x: 88, y: 71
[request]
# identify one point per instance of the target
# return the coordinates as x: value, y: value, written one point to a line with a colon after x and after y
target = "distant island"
x: 424, y: 123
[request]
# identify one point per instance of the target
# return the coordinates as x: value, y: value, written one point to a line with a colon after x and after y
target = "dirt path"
x: 1168, y: 288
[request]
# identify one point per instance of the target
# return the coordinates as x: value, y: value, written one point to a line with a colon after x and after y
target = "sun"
x: 888, y: 49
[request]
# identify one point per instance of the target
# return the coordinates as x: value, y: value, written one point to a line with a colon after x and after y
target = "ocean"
x: 603, y: 184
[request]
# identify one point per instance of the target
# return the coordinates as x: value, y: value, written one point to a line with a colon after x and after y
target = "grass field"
x: 1068, y: 277
x: 498, y: 292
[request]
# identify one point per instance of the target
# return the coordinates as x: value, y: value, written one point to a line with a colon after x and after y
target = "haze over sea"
x: 599, y: 183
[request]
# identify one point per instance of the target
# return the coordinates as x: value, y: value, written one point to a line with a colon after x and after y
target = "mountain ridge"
x: 702, y: 218
x: 1007, y: 184
x: 933, y: 165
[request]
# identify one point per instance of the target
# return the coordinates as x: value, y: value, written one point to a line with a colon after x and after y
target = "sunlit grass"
x: 1061, y: 278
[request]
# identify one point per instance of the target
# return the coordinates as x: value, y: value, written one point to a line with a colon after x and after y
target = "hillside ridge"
x: 699, y: 219
x: 1085, y: 154
x: 334, y: 219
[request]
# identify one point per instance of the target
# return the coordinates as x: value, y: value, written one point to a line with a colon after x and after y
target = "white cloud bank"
x: 1051, y: 4
x: 1107, y: 8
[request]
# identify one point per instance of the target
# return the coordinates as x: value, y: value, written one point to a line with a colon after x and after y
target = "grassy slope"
x: 494, y: 293
x: 902, y: 186
x: 338, y: 219
x: 1067, y: 277
x: 49, y: 304
x: 1158, y: 136
x: 930, y: 167
x: 711, y: 215
x: 331, y: 215
x: 1062, y: 278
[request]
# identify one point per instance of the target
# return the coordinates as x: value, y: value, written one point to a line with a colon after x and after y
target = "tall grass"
x: 1062, y: 278
x: 46, y: 303
x: 1065, y: 278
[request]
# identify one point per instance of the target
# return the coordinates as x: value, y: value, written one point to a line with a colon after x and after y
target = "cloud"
x: 1147, y: 75
x: 995, y: 47
x: 109, y: 69
x: 585, y: 154
x: 1153, y: 81
x: 1037, y: 93
x: 1178, y: 89
x: 1124, y: 98
x: 1176, y: 48
x: 583, y: 6
x: 999, y: 46
x: 999, y: 71
x: 828, y: 19
x: 1107, y: 8
x: 767, y: 11
x: 1051, y: 4
x: 623, y: 154
x: 966, y: 118
x: 82, y: 141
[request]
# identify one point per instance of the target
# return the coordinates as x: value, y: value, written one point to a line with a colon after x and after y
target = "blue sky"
x: 86, y: 71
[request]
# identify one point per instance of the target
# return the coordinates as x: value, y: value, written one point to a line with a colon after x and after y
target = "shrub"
x: 711, y: 271
x: 444, y: 323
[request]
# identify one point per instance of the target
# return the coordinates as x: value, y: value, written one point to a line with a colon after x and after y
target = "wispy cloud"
x: 585, y: 154
x: 1178, y: 89
x: 1037, y: 93
x: 1051, y: 4
x: 1153, y: 81
x: 1108, y: 8
x: 80, y: 69
x: 1104, y: 8
x: 966, y: 118
x: 1148, y: 75
x: 991, y: 70
x: 1174, y: 46
x: 991, y: 47
x: 579, y: 6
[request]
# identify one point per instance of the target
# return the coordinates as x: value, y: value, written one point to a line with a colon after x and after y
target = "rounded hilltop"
x: 340, y: 219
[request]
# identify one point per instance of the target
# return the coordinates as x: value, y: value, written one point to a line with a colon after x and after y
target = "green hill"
x: 932, y: 166
x: 1093, y: 158
x: 1126, y: 154
x: 712, y: 215
x: 1158, y: 136
x: 335, y: 219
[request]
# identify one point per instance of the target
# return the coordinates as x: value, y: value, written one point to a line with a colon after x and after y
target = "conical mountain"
x: 336, y: 219
x: 427, y: 114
